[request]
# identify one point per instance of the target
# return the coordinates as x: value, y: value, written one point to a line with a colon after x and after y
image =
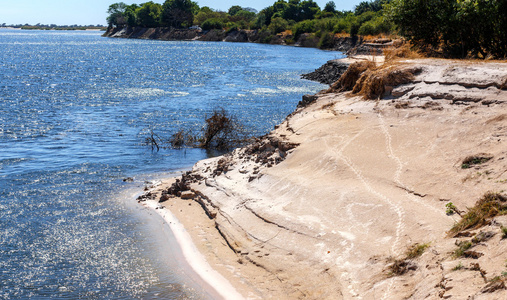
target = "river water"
x: 75, y: 109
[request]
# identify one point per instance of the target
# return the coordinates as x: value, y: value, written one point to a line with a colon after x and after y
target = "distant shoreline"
x: 348, y: 45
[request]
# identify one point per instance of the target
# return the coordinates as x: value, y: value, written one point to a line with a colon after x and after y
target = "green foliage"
x: 474, y: 160
x: 458, y: 267
x: 278, y: 25
x: 372, y: 6
x: 178, y: 13
x: 375, y: 26
x: 326, y: 40
x: 148, y: 15
x: 131, y: 15
x: 462, y: 247
x: 330, y: 7
x: 304, y: 27
x: 296, y: 15
x: 234, y: 10
x: 450, y: 208
x: 213, y: 23
x: 504, y: 232
x: 116, y: 14
x: 455, y: 28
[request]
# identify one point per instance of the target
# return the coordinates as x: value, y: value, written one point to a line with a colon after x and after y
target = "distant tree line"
x: 295, y: 15
x: 453, y: 28
x: 40, y: 26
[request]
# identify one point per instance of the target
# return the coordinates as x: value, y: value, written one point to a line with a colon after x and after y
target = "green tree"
x: 178, y: 13
x: 278, y: 25
x: 131, y: 15
x: 148, y: 15
x: 234, y: 10
x: 330, y: 7
x: 309, y: 9
x: 116, y: 14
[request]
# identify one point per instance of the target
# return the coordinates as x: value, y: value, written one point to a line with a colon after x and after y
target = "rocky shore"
x: 353, y: 45
x: 360, y: 199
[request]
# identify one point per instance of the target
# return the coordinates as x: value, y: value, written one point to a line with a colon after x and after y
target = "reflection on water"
x: 73, y: 110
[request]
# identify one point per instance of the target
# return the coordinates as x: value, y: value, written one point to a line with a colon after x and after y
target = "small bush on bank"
x: 212, y: 23
x: 326, y: 41
x: 221, y: 131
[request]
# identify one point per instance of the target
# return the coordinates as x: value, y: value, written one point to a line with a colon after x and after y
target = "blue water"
x: 75, y: 109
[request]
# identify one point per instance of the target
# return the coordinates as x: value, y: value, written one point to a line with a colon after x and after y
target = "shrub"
x: 221, y: 131
x: 476, y: 28
x: 306, y: 26
x: 450, y: 208
x: 182, y: 138
x: 278, y: 25
x: 326, y: 41
x: 212, y: 23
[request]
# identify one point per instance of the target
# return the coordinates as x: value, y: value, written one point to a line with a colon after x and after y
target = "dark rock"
x: 128, y: 179
x: 472, y: 254
x: 328, y: 73
x: 307, y: 100
x: 483, y: 236
x: 307, y: 40
x: 237, y: 36
x: 187, y: 195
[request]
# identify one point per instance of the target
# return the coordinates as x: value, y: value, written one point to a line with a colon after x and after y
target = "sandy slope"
x: 369, y: 179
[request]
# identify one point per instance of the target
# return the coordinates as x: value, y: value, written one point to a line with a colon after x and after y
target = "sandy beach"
x: 327, y: 203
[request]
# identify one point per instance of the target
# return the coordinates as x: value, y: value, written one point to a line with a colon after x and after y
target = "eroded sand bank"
x: 323, y: 205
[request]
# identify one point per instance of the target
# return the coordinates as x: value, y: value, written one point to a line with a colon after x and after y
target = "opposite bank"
x: 350, y: 45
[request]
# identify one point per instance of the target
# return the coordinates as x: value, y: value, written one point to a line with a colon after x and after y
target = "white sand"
x: 194, y: 258
x: 368, y: 180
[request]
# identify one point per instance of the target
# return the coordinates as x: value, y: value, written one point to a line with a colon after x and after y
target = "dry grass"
x: 462, y: 247
x: 374, y: 82
x: 475, y: 160
x: 341, y: 35
x: 489, y: 206
x: 348, y: 80
x: 403, y: 51
x: 416, y: 250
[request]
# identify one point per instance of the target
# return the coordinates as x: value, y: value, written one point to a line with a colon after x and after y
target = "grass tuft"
x: 350, y: 77
x: 416, y: 250
x: 504, y: 232
x: 469, y: 161
x: 489, y: 206
x: 458, y: 267
x: 462, y: 247
x: 403, y: 51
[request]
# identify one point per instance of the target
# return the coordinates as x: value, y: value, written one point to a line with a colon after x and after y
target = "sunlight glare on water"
x: 74, y: 111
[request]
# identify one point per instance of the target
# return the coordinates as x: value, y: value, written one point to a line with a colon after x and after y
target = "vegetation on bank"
x: 293, y: 17
x: 449, y: 28
x: 39, y: 26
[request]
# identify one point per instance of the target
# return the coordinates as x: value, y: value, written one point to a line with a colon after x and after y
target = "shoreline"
x: 213, y: 283
x: 344, y: 185
x: 347, y: 45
